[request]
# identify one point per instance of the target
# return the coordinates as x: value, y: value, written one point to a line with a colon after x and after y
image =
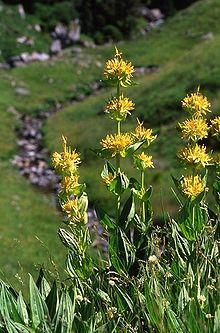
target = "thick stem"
x: 143, y: 190
x: 118, y: 162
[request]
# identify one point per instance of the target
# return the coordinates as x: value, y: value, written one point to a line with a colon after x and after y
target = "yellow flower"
x: 72, y: 209
x: 119, y: 108
x: 119, y: 69
x: 141, y: 133
x: 194, y: 129
x: 69, y: 183
x: 117, y: 143
x: 66, y: 162
x: 195, y: 155
x: 192, y: 186
x: 109, y: 178
x: 216, y: 126
x: 143, y: 161
x: 196, y: 103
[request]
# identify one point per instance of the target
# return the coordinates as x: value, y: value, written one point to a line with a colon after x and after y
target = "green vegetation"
x: 185, y: 60
x: 13, y: 26
x: 161, y: 278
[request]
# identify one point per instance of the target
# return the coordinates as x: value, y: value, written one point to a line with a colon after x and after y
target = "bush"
x: 49, y: 15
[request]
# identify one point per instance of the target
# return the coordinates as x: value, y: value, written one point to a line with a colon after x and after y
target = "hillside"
x: 185, y: 50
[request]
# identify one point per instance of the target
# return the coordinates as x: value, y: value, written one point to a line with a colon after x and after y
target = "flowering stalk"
x: 143, y: 191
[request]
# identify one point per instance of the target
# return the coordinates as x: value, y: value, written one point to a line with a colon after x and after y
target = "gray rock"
x: 56, y: 46
x: 22, y: 91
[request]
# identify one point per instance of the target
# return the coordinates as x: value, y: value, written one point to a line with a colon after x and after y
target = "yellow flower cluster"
x: 119, y: 108
x: 192, y: 186
x: 109, y: 178
x: 73, y: 210
x: 194, y: 155
x: 194, y: 129
x: 141, y: 133
x: 117, y: 143
x: 69, y: 184
x: 196, y: 103
x: 119, y: 69
x: 143, y: 161
x: 66, y: 162
x: 216, y: 126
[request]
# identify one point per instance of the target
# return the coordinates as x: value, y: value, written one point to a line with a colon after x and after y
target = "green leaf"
x: 119, y: 184
x: 147, y: 194
x: 65, y: 313
x: 134, y: 184
x: 68, y: 239
x: 13, y: 327
x: 107, y: 169
x: 22, y: 309
x: 104, y: 296
x: 38, y: 307
x: 174, y: 323
x: 42, y: 284
x: 104, y: 219
x: 127, y: 213
x: 216, y: 190
x: 132, y: 148
x: 83, y: 203
x: 52, y: 300
x: 101, y: 152
x: 8, y: 305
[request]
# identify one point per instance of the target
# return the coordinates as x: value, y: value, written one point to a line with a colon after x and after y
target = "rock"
x: 22, y: 91
x: 37, y: 28
x: 74, y: 32
x: 156, y: 14
x: 208, y: 36
x: 18, y: 64
x: 60, y: 32
x: 25, y: 40
x: 4, y: 65
x: 56, y: 46
x: 21, y: 11
x: 153, y: 14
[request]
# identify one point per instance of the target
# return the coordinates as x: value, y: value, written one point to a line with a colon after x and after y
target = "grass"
x: 185, y: 61
x: 13, y: 26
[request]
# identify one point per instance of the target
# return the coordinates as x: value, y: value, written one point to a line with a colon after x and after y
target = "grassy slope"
x: 186, y: 61
x: 12, y: 27
x: 183, y: 57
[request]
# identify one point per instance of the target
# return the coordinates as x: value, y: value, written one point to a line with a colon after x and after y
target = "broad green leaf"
x: 104, y: 219
x: 43, y: 285
x: 8, y: 305
x: 68, y: 239
x: 38, y: 307
x: 22, y: 309
x: 127, y: 213
x: 119, y: 184
x: 65, y: 313
x: 134, y: 184
x: 52, y: 300
x: 147, y: 194
x: 107, y: 169
x: 13, y: 327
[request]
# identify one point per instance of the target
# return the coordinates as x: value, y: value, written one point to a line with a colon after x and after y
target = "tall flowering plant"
x: 127, y: 227
x: 128, y: 223
x: 195, y: 159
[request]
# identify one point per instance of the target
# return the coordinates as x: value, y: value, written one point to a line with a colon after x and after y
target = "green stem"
x: 143, y: 190
x: 118, y: 162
